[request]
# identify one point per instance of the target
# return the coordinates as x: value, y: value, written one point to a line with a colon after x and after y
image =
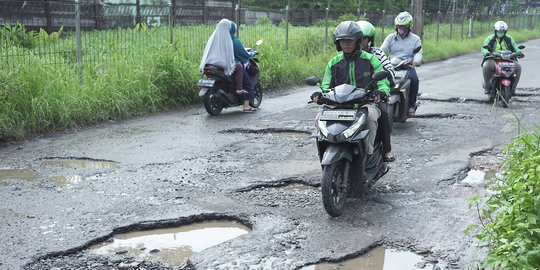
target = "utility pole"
x: 418, y: 17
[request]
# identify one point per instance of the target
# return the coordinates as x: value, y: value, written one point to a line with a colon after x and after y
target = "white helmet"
x: 500, y: 26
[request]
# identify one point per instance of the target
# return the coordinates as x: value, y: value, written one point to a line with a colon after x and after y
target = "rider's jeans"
x: 414, y: 87
x: 488, y: 70
x: 373, y: 115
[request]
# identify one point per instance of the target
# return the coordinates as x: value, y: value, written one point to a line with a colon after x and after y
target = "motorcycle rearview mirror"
x: 521, y: 47
x: 417, y: 49
x: 313, y: 80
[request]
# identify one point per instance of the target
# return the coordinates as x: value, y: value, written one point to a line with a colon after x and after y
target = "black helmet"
x: 347, y: 30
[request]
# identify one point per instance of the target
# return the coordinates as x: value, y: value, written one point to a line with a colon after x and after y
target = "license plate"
x: 399, y: 73
x: 206, y: 82
x: 338, y: 115
x: 507, y: 64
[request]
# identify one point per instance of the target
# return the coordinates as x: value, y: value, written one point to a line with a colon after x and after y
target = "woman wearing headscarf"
x: 219, y: 51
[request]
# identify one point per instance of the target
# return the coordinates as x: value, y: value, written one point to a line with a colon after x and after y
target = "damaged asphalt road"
x: 71, y: 191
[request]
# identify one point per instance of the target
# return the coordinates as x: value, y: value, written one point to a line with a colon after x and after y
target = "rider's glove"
x: 489, y: 54
x: 316, y: 96
x: 521, y: 55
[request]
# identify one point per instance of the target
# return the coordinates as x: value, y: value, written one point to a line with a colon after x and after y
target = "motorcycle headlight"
x: 354, y: 127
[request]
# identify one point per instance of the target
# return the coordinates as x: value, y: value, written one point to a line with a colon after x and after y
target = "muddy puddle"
x: 381, y: 258
x: 67, y: 181
x: 297, y: 188
x: 173, y: 246
x: 478, y: 177
x: 81, y: 163
x: 17, y: 174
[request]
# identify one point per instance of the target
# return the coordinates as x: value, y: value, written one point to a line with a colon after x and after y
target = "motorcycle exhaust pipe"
x: 225, y: 98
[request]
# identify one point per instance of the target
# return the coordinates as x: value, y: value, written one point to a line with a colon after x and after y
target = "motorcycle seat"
x: 218, y: 72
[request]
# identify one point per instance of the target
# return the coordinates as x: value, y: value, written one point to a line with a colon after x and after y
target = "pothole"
x: 291, y: 184
x: 17, y: 174
x: 173, y: 246
x: 83, y: 163
x: 67, y: 181
x: 297, y: 188
x: 285, y: 133
x: 383, y: 258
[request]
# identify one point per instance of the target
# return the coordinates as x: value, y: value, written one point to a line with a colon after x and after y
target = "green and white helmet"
x: 368, y: 30
x: 404, y: 18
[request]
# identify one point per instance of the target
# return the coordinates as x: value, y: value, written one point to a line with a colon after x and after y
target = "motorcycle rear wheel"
x: 258, y: 96
x: 335, y: 188
x: 212, y: 103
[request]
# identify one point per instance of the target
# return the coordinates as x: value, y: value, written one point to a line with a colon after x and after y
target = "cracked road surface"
x: 184, y: 166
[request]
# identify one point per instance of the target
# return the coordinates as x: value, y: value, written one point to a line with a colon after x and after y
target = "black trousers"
x: 383, y: 129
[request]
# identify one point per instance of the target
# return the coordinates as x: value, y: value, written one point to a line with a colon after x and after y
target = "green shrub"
x: 511, y: 215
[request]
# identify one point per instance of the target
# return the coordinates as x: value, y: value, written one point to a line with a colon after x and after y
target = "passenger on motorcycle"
x: 219, y: 51
x: 368, y: 43
x: 496, y: 42
x: 352, y: 60
x: 401, y: 44
x: 241, y: 56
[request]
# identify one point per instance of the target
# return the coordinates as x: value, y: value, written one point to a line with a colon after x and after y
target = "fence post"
x: 326, y: 29
x: 96, y: 17
x: 236, y: 17
x: 138, y: 11
x: 470, y: 25
x: 172, y: 6
x: 78, y: 37
x: 204, y: 11
x: 286, y: 27
x: 49, y: 18
x: 383, y: 23
x: 438, y: 24
x: 462, y: 25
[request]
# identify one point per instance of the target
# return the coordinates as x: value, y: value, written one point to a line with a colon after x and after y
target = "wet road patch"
x: 173, y: 246
x: 67, y: 181
x: 80, y: 163
x: 17, y: 174
x: 382, y: 258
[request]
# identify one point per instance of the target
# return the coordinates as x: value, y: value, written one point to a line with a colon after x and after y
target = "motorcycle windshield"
x: 347, y: 93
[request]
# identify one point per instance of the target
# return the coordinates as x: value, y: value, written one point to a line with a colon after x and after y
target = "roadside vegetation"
x: 510, y: 218
x: 38, y: 96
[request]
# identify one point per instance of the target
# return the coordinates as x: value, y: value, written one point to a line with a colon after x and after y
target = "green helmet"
x: 404, y: 18
x: 368, y: 30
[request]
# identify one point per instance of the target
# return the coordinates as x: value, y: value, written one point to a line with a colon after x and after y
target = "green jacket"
x: 492, y: 44
x: 357, y: 71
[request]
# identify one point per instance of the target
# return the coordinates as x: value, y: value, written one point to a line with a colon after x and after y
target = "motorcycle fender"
x: 506, y: 82
x: 335, y: 152
x: 203, y: 91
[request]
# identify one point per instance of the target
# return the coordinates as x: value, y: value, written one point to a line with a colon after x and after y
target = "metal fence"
x: 88, y: 32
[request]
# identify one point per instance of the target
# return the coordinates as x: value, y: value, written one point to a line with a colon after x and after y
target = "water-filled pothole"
x: 478, y: 177
x: 21, y: 174
x: 286, y: 133
x: 297, y: 188
x: 381, y: 258
x: 67, y: 181
x: 83, y: 163
x: 172, y: 245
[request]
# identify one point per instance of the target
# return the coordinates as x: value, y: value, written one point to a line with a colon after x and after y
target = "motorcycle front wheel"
x: 212, y: 103
x: 506, y: 95
x: 334, y: 188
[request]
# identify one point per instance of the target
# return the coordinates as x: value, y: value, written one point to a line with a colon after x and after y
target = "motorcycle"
x: 218, y: 91
x: 348, y: 171
x: 502, y: 82
x: 398, y: 102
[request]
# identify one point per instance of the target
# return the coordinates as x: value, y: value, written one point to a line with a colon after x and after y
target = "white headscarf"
x: 219, y: 48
